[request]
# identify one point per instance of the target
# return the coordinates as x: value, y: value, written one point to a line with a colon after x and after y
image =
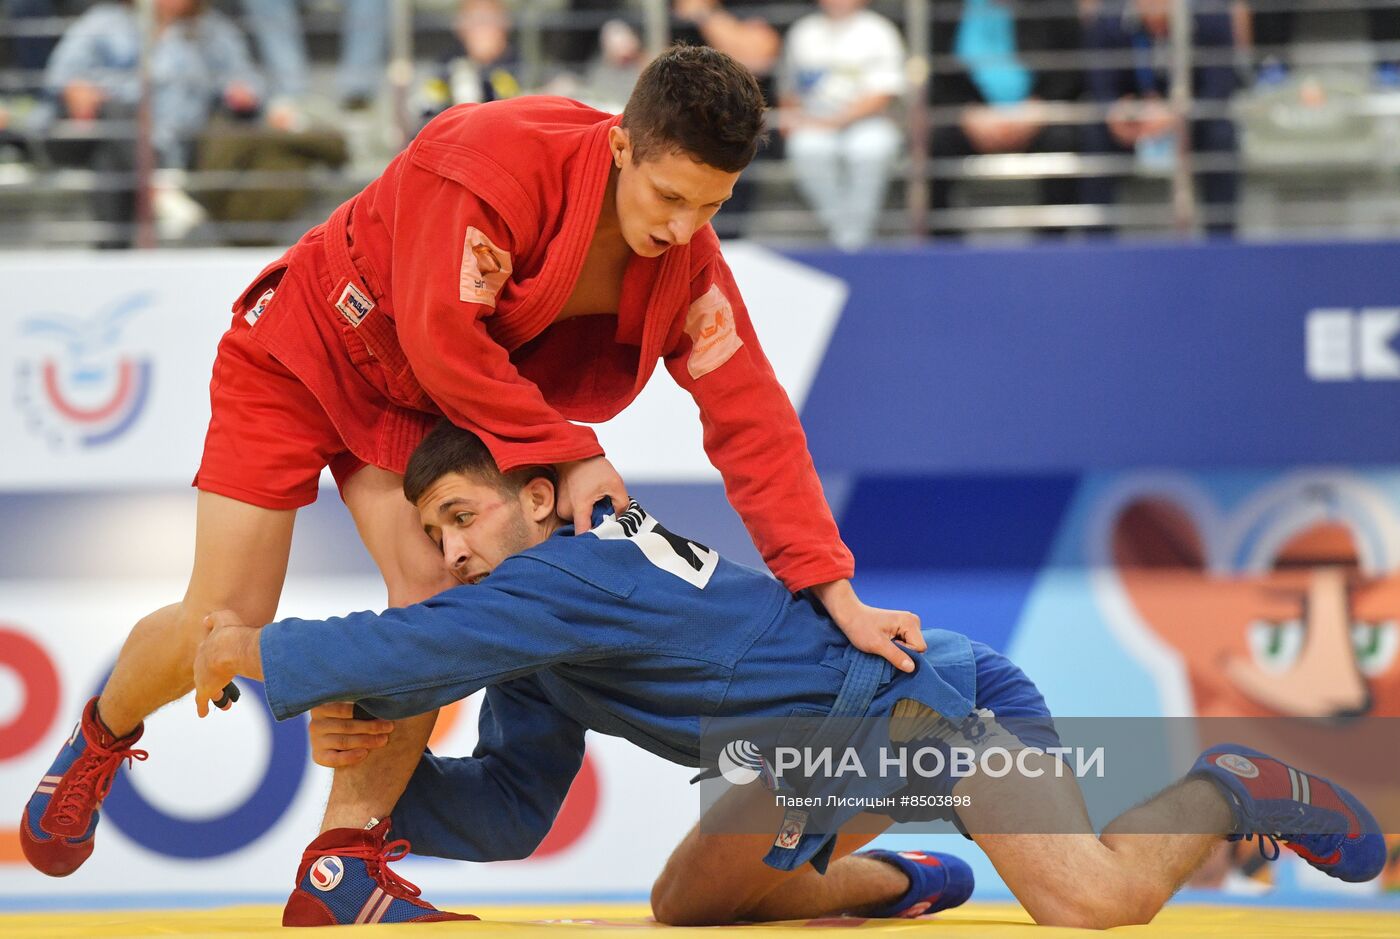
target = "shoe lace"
x: 378, y: 857
x: 96, y: 770
x: 1272, y: 845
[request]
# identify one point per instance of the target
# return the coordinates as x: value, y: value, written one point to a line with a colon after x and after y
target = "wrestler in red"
x: 522, y: 265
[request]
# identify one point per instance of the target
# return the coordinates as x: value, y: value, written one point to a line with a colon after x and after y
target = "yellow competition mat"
x: 587, y: 921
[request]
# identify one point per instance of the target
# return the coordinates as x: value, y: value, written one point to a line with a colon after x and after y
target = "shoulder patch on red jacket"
x: 713, y: 338
x: 485, y: 268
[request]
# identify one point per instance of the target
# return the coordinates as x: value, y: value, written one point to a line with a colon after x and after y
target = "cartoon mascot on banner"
x: 1288, y: 605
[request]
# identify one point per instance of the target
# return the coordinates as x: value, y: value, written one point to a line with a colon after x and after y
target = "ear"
x: 1160, y: 559
x: 620, y: 143
x: 1157, y: 533
x: 537, y: 498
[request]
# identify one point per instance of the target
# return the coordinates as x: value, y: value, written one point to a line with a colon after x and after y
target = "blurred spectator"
x: 240, y: 151
x: 364, y: 32
x: 11, y: 144
x: 199, y: 63
x: 737, y: 29
x: 16, y: 137
x: 1140, y: 121
x: 843, y: 70
x: 997, y: 93
x: 31, y: 53
x: 749, y: 40
x: 1274, y: 31
x: 482, y: 68
x: 611, y: 75
x: 569, y: 37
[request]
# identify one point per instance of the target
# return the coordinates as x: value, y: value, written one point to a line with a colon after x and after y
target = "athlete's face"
x: 665, y: 199
x: 477, y: 526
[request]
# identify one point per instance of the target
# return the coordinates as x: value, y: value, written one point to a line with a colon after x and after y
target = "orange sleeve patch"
x: 485, y: 269
x: 713, y: 338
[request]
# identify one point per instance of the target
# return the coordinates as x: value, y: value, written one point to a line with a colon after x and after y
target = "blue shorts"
x: 1013, y: 698
x: 1008, y: 705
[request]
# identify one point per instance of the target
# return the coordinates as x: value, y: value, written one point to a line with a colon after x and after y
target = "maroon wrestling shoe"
x: 344, y: 880
x: 61, y: 818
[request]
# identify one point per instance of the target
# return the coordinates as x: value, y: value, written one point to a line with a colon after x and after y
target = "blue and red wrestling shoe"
x: 1318, y: 820
x: 344, y: 880
x: 61, y: 818
x: 936, y: 882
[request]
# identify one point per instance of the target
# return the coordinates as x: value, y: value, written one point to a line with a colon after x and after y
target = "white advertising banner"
x: 226, y: 805
x: 107, y: 359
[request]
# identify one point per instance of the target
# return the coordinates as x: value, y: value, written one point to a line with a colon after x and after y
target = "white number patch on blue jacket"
x: 691, y: 561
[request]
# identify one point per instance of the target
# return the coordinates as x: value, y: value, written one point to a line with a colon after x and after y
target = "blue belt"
x: 865, y: 673
x: 951, y: 661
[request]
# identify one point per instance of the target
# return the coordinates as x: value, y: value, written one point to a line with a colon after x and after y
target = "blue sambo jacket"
x: 628, y: 630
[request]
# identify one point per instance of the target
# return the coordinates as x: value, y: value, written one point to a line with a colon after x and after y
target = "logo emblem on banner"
x: 77, y: 382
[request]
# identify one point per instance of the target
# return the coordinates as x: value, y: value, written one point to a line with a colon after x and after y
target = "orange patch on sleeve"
x: 485, y: 269
x: 713, y: 338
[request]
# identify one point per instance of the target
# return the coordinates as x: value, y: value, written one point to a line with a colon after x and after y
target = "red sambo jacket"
x: 442, y: 279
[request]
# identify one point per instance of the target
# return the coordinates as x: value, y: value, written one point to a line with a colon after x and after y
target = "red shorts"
x: 287, y: 399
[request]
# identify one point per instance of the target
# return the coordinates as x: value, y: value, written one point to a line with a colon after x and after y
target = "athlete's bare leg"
x: 1135, y: 866
x: 713, y: 878
x: 1133, y: 873
x: 413, y: 571
x: 240, y: 564
x: 854, y: 885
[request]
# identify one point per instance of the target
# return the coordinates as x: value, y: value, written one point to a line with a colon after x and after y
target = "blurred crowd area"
x: 243, y: 122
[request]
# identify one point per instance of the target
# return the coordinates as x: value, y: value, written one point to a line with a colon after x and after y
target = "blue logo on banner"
x: 79, y: 386
x: 173, y: 836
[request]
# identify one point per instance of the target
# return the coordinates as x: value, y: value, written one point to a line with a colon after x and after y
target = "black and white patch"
x: 689, y: 560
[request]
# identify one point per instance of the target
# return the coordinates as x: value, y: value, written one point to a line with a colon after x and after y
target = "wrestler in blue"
x: 634, y: 631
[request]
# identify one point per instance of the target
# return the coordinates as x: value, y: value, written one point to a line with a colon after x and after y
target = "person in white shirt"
x: 842, y: 72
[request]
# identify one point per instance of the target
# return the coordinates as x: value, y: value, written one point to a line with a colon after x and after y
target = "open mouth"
x: 658, y: 244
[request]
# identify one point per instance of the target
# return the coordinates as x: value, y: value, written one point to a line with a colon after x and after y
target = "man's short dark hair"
x: 450, y: 449
x: 698, y: 101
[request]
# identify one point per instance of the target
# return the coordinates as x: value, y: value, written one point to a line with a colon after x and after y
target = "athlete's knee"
x: 666, y: 904
x: 407, y: 586
x: 671, y: 905
x: 168, y: 625
x: 662, y: 904
x: 1103, y: 906
x: 184, y: 623
x: 678, y: 900
x: 668, y: 912
x: 409, y: 594
x: 412, y: 576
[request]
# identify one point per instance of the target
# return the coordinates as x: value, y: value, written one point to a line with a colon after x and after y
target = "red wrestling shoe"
x: 344, y: 880
x: 57, y: 830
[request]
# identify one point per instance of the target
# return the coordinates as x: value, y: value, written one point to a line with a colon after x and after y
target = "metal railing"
x: 42, y: 201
